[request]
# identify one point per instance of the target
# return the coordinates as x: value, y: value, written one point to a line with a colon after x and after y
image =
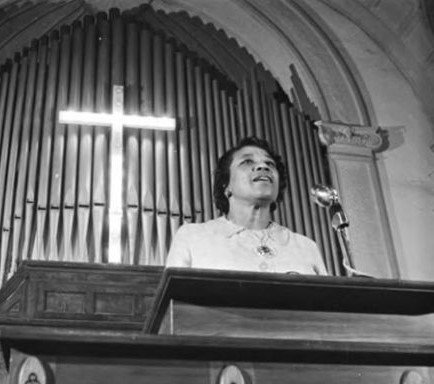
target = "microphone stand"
x: 327, y: 197
x: 340, y: 223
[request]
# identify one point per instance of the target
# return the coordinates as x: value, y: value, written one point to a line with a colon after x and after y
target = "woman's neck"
x: 250, y: 217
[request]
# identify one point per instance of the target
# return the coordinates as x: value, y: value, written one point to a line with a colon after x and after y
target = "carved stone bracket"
x: 348, y: 134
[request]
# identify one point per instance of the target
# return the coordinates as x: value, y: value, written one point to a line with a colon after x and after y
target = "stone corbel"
x: 348, y: 134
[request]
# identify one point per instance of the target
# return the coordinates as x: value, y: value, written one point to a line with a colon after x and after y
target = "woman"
x: 249, y: 180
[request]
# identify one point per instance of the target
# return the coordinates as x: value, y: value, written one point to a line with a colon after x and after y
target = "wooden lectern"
x: 209, y: 326
x: 277, y: 306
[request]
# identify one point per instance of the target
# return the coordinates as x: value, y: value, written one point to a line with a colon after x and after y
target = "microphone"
x: 324, y: 196
x: 327, y: 197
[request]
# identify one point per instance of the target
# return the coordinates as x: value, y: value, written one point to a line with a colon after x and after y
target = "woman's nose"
x: 261, y: 167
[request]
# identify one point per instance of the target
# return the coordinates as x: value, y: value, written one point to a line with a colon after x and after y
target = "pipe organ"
x: 54, y: 177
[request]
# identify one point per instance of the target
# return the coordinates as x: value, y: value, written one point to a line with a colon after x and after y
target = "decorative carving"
x: 231, y: 374
x: 411, y: 377
x: 15, y: 307
x: 354, y: 135
x: 65, y: 302
x: 114, y: 303
x: 32, y: 371
x: 33, y: 379
x: 11, y: 298
x: 89, y: 294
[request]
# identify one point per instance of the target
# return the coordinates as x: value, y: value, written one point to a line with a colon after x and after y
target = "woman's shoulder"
x: 200, y: 228
x: 302, y: 239
x: 188, y: 228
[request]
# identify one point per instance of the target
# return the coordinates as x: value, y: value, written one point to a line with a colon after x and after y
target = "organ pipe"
x: 161, y: 182
x: 147, y: 173
x: 20, y: 190
x: 195, y: 181
x: 14, y: 150
x: 30, y: 229
x: 100, y: 144
x: 183, y: 133
x: 84, y: 179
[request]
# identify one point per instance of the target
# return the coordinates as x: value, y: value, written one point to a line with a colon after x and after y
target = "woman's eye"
x: 271, y: 164
x: 247, y: 161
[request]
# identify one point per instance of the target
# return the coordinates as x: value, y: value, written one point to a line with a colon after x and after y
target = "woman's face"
x: 253, y: 176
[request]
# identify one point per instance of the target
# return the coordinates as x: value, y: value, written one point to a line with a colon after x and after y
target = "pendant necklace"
x: 265, y: 251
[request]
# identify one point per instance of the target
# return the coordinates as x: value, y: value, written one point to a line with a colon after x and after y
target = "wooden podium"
x: 276, y: 306
x: 220, y: 327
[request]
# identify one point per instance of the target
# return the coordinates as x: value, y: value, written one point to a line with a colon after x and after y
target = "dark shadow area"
x: 300, y: 97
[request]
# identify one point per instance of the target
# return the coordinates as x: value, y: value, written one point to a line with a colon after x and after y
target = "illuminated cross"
x: 117, y: 120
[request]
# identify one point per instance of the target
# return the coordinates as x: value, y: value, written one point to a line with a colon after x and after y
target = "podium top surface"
x: 299, y: 292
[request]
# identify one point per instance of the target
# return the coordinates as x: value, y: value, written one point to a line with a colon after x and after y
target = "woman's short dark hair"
x: 222, y: 173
